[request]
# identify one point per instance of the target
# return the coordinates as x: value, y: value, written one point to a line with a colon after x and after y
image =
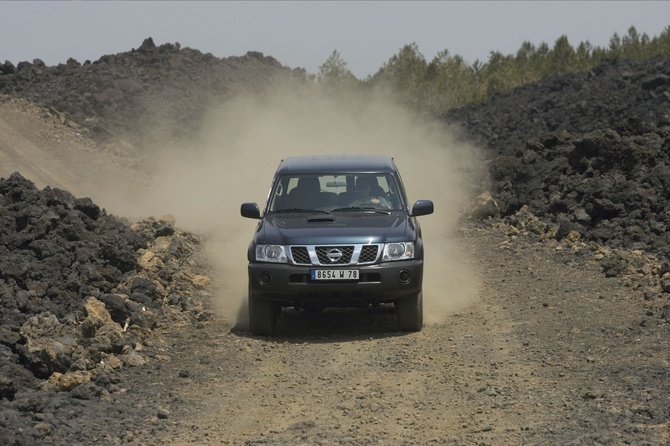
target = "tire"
x: 262, y: 316
x: 410, y: 313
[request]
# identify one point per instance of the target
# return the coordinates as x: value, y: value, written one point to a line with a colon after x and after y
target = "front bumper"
x: 290, y: 285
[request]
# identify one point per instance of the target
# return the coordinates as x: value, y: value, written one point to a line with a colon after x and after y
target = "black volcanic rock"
x: 128, y: 94
x: 589, y: 148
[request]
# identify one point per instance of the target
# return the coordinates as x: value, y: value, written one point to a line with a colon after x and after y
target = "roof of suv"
x: 336, y: 163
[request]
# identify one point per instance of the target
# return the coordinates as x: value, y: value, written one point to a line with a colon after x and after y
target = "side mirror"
x: 422, y: 207
x: 250, y: 210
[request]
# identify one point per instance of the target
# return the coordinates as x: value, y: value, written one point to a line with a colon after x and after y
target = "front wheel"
x: 261, y: 316
x: 409, y: 311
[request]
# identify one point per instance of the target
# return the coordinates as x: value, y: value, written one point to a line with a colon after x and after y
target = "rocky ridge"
x: 120, y: 96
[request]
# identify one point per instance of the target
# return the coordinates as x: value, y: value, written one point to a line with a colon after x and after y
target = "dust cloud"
x: 241, y: 143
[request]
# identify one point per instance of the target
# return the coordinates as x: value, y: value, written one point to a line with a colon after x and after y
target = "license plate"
x: 334, y: 274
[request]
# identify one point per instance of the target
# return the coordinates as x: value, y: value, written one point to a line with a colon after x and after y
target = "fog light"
x: 404, y: 276
x: 265, y: 278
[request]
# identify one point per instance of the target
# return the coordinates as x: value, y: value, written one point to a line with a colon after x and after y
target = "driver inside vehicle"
x: 369, y: 193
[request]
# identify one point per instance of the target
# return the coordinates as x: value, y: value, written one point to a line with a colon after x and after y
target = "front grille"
x: 334, y: 255
x: 368, y: 254
x: 331, y: 255
x: 300, y: 255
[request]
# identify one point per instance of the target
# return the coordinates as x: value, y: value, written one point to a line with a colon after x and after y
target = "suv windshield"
x: 327, y: 192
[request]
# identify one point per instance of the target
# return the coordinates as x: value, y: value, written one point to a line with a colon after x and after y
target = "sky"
x: 303, y: 34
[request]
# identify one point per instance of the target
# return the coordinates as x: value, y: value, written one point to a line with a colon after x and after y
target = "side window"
x: 383, y: 183
x: 291, y: 184
x: 392, y: 191
x: 280, y: 193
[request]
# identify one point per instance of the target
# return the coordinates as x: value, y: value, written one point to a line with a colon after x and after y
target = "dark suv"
x: 337, y: 231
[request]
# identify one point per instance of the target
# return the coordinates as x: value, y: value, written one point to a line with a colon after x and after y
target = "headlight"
x: 270, y: 253
x: 398, y: 251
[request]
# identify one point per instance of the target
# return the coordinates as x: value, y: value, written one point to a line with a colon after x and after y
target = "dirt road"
x: 553, y: 353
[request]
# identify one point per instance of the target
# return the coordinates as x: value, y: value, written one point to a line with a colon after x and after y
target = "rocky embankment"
x: 586, y: 156
x: 81, y: 293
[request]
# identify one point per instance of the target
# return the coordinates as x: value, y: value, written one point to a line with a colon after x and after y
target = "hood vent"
x: 321, y: 220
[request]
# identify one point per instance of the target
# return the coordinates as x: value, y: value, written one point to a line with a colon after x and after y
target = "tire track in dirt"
x: 426, y: 386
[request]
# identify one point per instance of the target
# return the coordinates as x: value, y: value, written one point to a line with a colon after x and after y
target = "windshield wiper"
x: 362, y: 209
x: 320, y: 211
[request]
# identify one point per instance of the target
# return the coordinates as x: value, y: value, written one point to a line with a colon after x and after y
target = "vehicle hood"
x: 318, y: 229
